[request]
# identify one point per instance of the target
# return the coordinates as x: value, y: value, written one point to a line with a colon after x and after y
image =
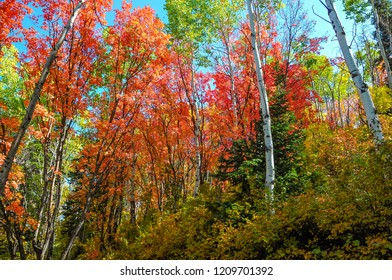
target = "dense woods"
x: 222, y: 133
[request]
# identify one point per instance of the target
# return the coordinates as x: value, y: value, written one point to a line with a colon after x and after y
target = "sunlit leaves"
x: 12, y: 13
x: 115, y: 134
x: 10, y: 84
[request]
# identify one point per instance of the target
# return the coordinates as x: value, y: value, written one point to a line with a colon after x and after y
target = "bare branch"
x: 319, y: 15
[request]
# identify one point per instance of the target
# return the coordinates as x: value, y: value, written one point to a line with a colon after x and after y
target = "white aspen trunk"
x: 197, y: 131
x: 366, y: 99
x: 381, y: 45
x: 264, y: 114
x: 7, y: 165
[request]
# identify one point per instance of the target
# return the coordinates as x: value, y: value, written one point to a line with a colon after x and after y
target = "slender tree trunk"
x: 11, y: 244
x: 233, y: 94
x: 264, y: 114
x: 19, y: 238
x: 132, y: 192
x: 333, y: 105
x: 116, y: 220
x: 386, y: 29
x: 75, y: 233
x: 381, y: 45
x: 197, y: 132
x: 7, y: 226
x: 340, y: 110
x: 7, y: 165
x: 110, y: 229
x: 317, y: 104
x: 44, y: 199
x: 191, y: 95
x: 366, y: 99
x: 55, y: 190
x: 95, y: 182
x: 339, y: 103
x: 348, y: 120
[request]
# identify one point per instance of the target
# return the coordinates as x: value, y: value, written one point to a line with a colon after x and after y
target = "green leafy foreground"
x: 343, y: 212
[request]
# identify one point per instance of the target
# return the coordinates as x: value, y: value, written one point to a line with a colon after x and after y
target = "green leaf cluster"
x: 11, y: 83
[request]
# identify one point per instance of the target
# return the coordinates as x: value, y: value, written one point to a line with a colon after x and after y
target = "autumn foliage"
x: 148, y: 145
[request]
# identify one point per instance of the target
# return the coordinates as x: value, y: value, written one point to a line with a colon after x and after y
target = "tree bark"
x: 366, y: 99
x: 132, y: 191
x: 264, y: 111
x: 381, y: 45
x: 80, y: 224
x: 7, y: 165
x: 191, y: 95
x: 197, y: 131
x: 55, y: 190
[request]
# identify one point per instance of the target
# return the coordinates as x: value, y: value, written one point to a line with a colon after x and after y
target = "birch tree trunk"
x: 7, y: 165
x: 366, y: 99
x: 197, y: 132
x: 264, y: 114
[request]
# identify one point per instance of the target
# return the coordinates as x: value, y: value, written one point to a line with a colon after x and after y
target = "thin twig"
x: 354, y: 32
x: 319, y: 15
x: 322, y: 3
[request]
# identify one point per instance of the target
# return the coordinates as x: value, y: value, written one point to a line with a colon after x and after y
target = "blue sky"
x: 323, y: 28
x: 331, y: 48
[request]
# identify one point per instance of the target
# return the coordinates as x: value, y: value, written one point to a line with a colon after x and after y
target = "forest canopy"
x: 222, y: 133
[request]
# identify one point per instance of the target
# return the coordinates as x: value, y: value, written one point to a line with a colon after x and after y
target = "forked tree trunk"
x: 264, y: 112
x: 7, y: 165
x: 366, y: 99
